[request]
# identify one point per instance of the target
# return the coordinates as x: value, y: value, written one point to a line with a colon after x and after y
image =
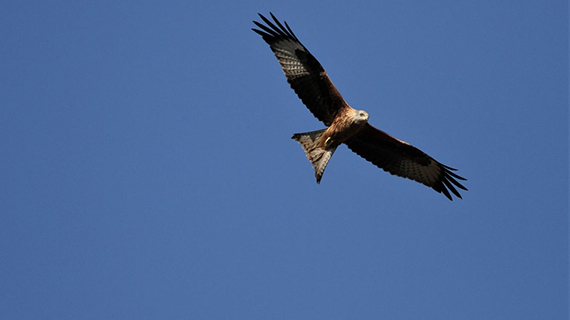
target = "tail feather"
x: 318, y: 156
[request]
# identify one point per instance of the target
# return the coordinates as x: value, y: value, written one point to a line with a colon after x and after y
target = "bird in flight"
x: 344, y: 124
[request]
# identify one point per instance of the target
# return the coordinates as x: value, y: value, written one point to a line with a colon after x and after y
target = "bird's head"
x: 361, y: 116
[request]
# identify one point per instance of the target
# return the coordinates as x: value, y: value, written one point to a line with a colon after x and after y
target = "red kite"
x: 345, y: 124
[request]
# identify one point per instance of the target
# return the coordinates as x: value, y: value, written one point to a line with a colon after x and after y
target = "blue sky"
x: 147, y: 169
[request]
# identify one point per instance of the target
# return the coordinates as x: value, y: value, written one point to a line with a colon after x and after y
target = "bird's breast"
x: 340, y: 131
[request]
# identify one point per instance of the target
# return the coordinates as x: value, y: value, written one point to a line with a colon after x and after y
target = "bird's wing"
x: 402, y: 159
x: 304, y: 73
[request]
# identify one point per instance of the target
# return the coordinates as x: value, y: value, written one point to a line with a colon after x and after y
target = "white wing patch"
x: 285, y: 53
x: 426, y: 174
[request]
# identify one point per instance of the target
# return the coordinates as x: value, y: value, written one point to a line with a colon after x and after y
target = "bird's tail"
x: 318, y: 156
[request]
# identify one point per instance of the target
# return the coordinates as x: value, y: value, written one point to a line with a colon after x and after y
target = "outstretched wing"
x: 304, y: 73
x: 402, y: 159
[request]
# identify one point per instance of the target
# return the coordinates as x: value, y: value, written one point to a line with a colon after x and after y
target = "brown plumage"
x: 344, y: 124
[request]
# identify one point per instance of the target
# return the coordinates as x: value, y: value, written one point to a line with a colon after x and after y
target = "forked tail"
x: 318, y: 156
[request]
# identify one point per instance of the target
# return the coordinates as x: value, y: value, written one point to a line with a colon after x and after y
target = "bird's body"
x: 345, y: 124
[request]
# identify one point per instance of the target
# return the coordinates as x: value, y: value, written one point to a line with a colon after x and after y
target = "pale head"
x: 360, y: 116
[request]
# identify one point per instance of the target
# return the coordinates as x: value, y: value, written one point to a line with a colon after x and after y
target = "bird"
x: 344, y: 124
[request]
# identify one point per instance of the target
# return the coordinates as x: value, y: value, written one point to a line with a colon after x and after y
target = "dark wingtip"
x: 449, y: 183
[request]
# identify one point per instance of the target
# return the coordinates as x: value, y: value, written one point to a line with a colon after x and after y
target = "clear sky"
x: 147, y: 170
